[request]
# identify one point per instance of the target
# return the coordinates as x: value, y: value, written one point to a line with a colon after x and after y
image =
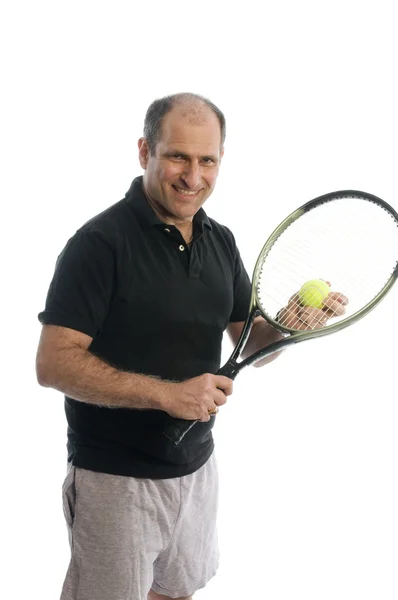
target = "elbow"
x: 43, y: 374
x: 42, y: 379
x: 42, y: 382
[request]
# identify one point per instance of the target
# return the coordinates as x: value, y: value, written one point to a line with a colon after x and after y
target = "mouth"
x: 185, y: 193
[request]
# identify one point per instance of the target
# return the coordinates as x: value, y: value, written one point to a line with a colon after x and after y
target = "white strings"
x: 351, y: 242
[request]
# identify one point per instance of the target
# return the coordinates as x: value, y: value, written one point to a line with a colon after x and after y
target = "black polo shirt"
x: 152, y: 306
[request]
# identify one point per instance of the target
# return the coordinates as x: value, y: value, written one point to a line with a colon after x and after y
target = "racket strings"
x: 351, y: 242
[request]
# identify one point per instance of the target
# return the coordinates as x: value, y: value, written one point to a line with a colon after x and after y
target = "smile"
x: 186, y: 192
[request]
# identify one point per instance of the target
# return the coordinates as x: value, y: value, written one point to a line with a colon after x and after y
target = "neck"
x: 187, y: 233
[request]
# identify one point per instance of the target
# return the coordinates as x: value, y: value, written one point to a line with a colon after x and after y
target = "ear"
x: 143, y: 152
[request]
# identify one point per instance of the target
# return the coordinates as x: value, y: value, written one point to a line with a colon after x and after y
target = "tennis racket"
x: 350, y: 239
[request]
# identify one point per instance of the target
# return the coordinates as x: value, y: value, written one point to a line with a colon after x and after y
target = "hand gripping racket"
x: 348, y: 238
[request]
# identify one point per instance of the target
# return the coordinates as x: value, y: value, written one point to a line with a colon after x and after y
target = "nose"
x: 192, y: 175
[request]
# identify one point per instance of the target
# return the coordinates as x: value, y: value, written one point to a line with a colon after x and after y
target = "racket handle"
x: 178, y: 429
x: 230, y: 369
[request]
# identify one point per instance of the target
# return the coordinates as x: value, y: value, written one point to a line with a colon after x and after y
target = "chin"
x: 185, y: 214
x: 185, y: 208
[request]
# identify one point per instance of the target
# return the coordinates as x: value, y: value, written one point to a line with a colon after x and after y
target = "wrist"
x: 161, y: 394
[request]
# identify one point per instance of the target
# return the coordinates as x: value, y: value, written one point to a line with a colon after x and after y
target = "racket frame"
x: 232, y: 367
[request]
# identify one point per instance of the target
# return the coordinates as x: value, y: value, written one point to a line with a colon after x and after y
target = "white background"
x: 307, y: 447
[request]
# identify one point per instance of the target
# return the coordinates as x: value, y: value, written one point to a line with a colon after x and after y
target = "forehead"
x: 193, y: 127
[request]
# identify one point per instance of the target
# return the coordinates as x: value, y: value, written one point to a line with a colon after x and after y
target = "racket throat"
x: 230, y: 369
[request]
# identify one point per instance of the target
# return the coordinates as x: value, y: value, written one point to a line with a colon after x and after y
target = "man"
x: 132, y: 332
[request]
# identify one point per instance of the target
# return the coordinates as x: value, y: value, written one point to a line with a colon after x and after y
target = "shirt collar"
x: 137, y: 201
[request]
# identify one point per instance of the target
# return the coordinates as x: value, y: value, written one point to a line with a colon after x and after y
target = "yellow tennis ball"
x: 313, y: 293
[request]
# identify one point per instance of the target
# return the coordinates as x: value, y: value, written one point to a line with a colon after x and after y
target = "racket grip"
x: 178, y: 429
x: 230, y: 369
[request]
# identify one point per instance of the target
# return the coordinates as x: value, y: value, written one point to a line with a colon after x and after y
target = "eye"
x: 207, y: 160
x: 178, y: 156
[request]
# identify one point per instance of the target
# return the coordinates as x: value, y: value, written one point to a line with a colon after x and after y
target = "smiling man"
x: 181, y: 167
x: 132, y: 329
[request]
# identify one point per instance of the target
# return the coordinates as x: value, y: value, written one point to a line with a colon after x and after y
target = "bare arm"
x: 262, y: 334
x: 64, y: 363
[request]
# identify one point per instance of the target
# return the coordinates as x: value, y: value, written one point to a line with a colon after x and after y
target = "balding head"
x: 193, y: 107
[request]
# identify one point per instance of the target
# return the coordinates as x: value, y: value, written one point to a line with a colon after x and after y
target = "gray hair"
x: 160, y: 107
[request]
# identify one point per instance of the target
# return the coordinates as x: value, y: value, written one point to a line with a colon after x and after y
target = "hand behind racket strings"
x: 297, y: 317
x: 350, y: 237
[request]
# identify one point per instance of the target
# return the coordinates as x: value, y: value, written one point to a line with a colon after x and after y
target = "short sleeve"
x: 242, y: 290
x: 81, y: 290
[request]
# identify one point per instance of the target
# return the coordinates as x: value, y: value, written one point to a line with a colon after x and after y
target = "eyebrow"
x: 186, y: 156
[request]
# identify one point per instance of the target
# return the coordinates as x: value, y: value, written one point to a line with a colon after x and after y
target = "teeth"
x: 186, y: 192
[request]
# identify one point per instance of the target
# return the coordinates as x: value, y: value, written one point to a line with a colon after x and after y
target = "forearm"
x: 262, y: 334
x: 84, y: 377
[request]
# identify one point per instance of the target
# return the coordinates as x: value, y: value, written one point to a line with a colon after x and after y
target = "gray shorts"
x: 128, y: 535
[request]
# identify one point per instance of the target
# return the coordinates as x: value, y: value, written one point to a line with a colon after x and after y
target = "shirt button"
x: 182, y: 248
x: 168, y: 230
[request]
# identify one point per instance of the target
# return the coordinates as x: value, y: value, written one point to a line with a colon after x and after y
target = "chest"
x: 162, y: 281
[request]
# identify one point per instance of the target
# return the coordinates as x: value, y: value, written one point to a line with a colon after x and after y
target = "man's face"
x: 182, y: 173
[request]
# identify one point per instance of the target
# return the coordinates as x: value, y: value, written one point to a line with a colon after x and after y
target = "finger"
x: 339, y: 297
x: 288, y: 316
x: 219, y: 398
x: 224, y: 383
x: 313, y: 318
x: 333, y: 307
x: 205, y: 418
x: 211, y: 412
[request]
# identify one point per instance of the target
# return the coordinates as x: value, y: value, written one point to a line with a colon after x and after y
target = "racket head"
x: 348, y: 237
